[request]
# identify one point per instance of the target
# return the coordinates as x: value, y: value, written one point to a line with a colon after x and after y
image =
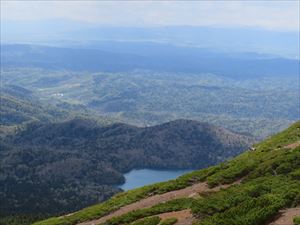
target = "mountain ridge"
x: 179, y: 59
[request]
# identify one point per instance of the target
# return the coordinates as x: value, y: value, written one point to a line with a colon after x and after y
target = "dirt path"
x: 286, y: 217
x: 184, y: 217
x: 292, y: 146
x: 191, y: 191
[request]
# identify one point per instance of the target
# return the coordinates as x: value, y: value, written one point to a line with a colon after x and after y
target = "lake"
x: 142, y: 177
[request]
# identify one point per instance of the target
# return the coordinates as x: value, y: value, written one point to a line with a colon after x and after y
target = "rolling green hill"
x: 259, y: 184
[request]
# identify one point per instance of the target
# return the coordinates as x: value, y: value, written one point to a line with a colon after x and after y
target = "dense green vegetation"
x: 169, y: 221
x: 257, y: 106
x: 253, y: 202
x: 21, y: 219
x: 297, y: 220
x: 270, y: 183
x: 147, y: 221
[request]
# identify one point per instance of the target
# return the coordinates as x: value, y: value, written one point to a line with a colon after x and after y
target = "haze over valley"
x: 96, y: 92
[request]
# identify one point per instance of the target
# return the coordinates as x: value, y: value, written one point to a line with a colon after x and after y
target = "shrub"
x: 147, y: 221
x: 169, y: 221
x: 297, y: 220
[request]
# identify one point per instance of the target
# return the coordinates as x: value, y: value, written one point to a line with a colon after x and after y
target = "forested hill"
x: 20, y: 106
x: 177, y: 144
x: 53, y: 168
x: 259, y: 187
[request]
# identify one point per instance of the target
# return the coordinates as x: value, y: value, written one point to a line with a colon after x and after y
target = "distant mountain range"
x: 67, y: 33
x: 163, y: 58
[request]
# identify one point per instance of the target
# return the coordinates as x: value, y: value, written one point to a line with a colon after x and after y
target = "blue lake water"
x: 142, y: 177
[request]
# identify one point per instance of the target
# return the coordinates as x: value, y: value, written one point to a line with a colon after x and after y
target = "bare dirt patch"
x: 191, y: 191
x: 292, y: 146
x: 286, y: 216
x: 184, y: 217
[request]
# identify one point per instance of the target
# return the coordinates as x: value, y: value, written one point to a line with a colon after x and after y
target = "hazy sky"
x: 278, y: 15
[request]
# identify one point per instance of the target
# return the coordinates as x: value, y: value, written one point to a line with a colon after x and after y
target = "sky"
x: 274, y: 15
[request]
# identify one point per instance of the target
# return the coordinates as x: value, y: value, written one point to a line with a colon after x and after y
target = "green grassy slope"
x: 270, y: 181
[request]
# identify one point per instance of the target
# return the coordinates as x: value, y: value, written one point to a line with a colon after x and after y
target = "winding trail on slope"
x: 191, y: 191
x: 286, y: 216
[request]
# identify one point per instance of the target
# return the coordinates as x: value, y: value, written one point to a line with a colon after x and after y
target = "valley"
x: 259, y: 107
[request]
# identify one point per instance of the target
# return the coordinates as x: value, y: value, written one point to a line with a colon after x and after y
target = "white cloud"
x: 279, y: 15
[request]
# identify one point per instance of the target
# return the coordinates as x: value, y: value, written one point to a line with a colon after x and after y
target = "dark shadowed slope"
x: 191, y: 143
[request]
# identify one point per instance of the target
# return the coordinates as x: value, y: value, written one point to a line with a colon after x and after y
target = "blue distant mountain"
x: 66, y: 33
x: 155, y: 57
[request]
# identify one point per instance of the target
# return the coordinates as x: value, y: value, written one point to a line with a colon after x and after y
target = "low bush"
x: 254, y: 202
x: 169, y: 221
x: 297, y: 220
x: 147, y: 221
